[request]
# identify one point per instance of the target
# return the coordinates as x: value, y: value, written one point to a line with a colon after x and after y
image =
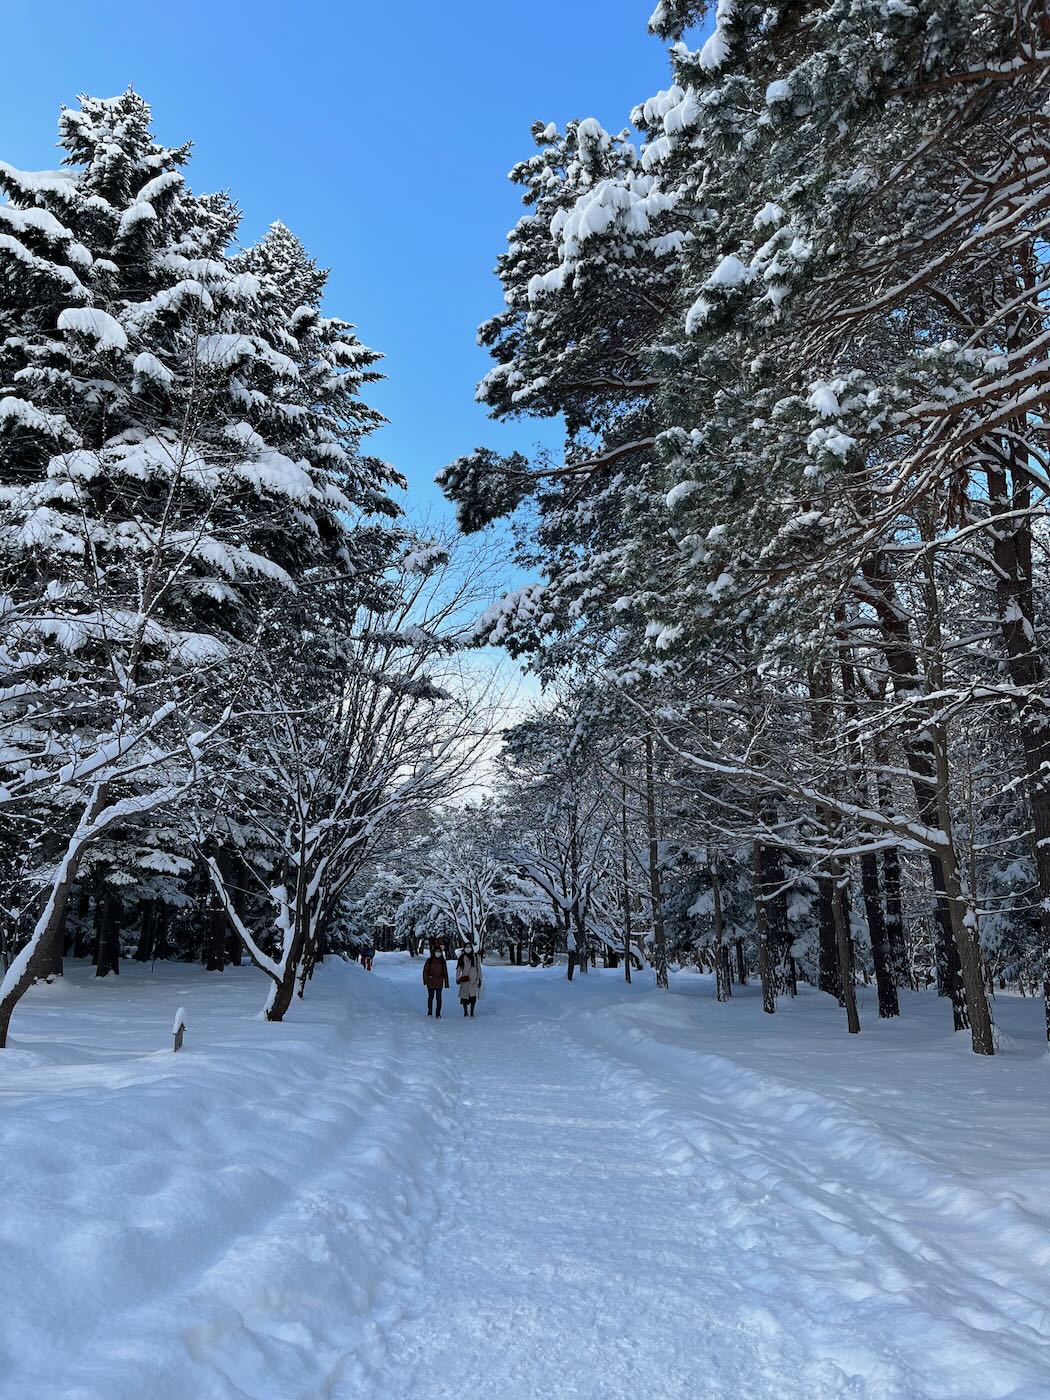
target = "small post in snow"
x: 178, y: 1030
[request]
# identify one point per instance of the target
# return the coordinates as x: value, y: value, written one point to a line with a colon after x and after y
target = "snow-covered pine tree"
x: 823, y: 419
x: 163, y: 470
x: 588, y: 277
x: 891, y: 271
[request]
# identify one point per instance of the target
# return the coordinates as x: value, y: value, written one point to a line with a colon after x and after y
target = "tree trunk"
x: 144, y: 947
x: 625, y: 875
x: 723, y: 980
x: 765, y: 968
x: 918, y: 749
x: 881, y: 953
x: 161, y: 919
x: 964, y: 923
x: 844, y: 948
x: 108, y: 952
x: 655, y: 890
x: 869, y: 867
x: 281, y: 996
x: 80, y: 943
x: 1012, y: 555
x: 583, y: 961
x: 891, y: 883
x: 52, y: 964
x: 771, y: 865
x: 741, y: 965
x: 215, y: 933
x: 828, y: 966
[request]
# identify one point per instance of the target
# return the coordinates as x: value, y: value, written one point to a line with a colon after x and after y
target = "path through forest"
x: 588, y: 1191
x: 602, y: 1225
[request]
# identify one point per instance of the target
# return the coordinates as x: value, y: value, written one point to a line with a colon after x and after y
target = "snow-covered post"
x: 178, y: 1030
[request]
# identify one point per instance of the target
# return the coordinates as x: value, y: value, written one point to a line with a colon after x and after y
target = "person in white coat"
x: 468, y: 980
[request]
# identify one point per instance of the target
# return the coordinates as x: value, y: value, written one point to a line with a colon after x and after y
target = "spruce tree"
x: 178, y: 448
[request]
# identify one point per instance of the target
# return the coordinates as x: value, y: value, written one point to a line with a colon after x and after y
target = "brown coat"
x: 435, y: 972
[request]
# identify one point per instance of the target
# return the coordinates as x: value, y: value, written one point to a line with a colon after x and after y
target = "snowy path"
x: 587, y: 1193
x: 602, y: 1230
x: 555, y: 1256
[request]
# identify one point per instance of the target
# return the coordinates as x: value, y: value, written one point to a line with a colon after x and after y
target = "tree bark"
x: 723, y: 979
x: 625, y: 875
x: 80, y: 944
x: 741, y: 965
x: 881, y: 954
x: 20, y: 977
x: 215, y: 933
x: 964, y: 923
x: 891, y: 883
x: 53, y: 961
x: 771, y: 865
x: 828, y: 966
x: 655, y: 890
x: 904, y: 671
x: 108, y: 952
x: 144, y: 947
x: 1012, y: 556
x: 161, y: 919
x: 765, y: 962
x: 844, y: 949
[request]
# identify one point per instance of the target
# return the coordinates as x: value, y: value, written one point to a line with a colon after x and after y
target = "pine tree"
x: 840, y: 365
x: 178, y: 448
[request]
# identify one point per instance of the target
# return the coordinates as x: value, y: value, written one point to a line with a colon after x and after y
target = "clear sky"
x: 381, y: 133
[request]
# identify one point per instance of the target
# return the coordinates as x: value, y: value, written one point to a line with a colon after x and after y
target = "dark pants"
x: 469, y: 1002
x: 433, y: 992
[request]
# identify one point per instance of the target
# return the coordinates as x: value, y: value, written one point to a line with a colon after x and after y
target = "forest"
x: 567, y: 919
x: 785, y: 580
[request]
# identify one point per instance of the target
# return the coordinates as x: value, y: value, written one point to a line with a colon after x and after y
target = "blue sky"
x: 380, y: 133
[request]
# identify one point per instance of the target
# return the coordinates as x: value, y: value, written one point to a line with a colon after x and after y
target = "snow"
x: 730, y: 272
x: 225, y: 351
x: 770, y: 213
x: 99, y: 326
x: 60, y: 184
x: 22, y: 414
x: 831, y: 440
x: 589, y: 1190
x: 147, y: 366
x: 135, y: 214
x: 269, y: 470
x: 697, y: 315
x: 170, y: 299
x: 715, y: 50
x: 823, y: 399
x: 42, y: 222
x: 679, y: 493
x: 683, y: 116
x: 197, y: 648
x: 18, y: 250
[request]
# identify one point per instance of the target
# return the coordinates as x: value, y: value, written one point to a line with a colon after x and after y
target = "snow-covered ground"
x: 590, y: 1191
